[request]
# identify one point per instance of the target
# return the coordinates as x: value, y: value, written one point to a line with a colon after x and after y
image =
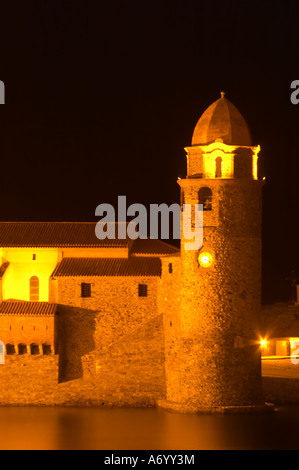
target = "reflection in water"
x: 148, y: 429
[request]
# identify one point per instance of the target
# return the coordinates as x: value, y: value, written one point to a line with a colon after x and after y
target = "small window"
x: 34, y: 256
x: 170, y: 268
x: 22, y: 349
x: 205, y: 198
x: 46, y: 349
x: 10, y: 349
x: 85, y: 289
x: 34, y: 349
x: 142, y: 290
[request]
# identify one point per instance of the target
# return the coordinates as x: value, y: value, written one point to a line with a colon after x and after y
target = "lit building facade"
x: 141, y: 323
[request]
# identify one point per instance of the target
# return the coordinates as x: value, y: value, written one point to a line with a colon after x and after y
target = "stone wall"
x: 33, y: 381
x: 131, y: 371
x: 110, y: 349
x: 169, y: 306
x: 28, y: 380
x: 120, y: 309
x: 27, y: 329
x: 128, y: 373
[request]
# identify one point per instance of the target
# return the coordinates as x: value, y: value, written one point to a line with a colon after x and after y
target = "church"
x: 139, y: 322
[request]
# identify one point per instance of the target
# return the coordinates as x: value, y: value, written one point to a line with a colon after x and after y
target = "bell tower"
x: 214, y: 362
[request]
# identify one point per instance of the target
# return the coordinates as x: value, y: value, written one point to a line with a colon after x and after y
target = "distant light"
x: 263, y: 342
x: 264, y: 178
x: 179, y: 178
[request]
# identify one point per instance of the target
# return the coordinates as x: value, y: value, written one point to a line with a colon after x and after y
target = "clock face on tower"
x: 205, y: 259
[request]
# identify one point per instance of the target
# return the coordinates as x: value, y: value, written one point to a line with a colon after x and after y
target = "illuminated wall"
x: 27, y: 329
x: 23, y: 264
x: 202, y: 160
x: 212, y: 350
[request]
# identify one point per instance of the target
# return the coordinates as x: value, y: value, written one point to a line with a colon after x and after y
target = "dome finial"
x: 222, y: 93
x: 221, y: 120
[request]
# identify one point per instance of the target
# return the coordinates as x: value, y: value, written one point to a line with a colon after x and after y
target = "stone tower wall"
x: 215, y: 361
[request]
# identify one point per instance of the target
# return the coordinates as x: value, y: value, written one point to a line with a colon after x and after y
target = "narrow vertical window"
x: 182, y: 198
x: 205, y: 198
x: 142, y: 290
x: 34, y: 289
x: 85, y: 289
x: 170, y: 268
x: 34, y: 256
x: 218, y: 169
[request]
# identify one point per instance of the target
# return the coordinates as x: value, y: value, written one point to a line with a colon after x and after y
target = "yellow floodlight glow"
x: 205, y: 260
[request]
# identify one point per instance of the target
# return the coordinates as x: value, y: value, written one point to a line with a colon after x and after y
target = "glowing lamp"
x: 205, y: 260
x: 263, y: 342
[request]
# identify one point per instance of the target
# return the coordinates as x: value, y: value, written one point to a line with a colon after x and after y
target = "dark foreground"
x: 146, y: 429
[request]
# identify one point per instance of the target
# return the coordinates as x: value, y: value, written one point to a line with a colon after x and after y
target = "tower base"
x: 209, y: 410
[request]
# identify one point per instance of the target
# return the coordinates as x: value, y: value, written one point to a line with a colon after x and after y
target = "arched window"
x: 218, y: 169
x: 34, y: 289
x: 205, y: 198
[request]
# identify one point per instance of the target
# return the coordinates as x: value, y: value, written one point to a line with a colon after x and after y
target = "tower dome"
x: 222, y: 122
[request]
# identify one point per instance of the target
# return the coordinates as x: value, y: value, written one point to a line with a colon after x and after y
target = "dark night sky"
x: 102, y: 97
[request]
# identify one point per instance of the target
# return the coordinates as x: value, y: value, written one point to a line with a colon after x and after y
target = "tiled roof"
x: 11, y: 307
x: 152, y: 247
x: 54, y: 234
x: 84, y: 267
x: 73, y: 235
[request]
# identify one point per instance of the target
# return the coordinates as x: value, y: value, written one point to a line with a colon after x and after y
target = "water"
x: 147, y: 429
